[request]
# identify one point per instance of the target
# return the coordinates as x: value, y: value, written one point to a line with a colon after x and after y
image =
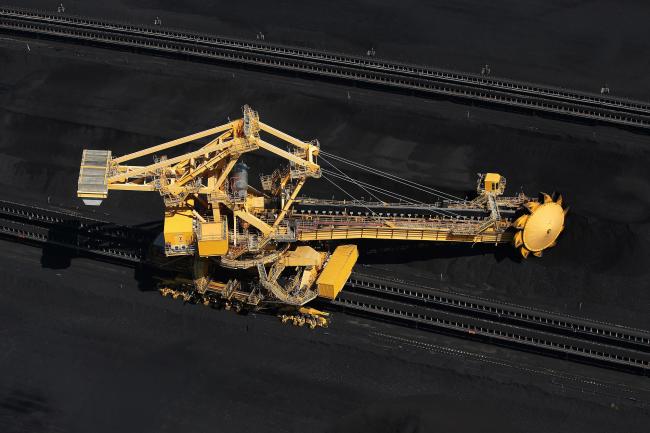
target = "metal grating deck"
x: 93, y: 174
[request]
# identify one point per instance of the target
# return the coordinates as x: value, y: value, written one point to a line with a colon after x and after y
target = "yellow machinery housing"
x: 212, y: 238
x: 337, y: 271
x: 179, y: 232
x: 492, y: 182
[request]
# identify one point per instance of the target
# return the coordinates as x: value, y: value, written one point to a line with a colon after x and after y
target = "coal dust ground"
x: 86, y: 347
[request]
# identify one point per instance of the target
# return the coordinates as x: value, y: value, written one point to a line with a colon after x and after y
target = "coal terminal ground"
x: 361, y: 71
x: 87, y: 347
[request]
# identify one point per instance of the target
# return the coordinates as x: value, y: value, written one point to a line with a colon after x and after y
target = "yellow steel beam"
x: 287, y: 155
x: 123, y: 168
x: 289, y: 202
x: 178, y: 168
x: 131, y: 187
x: 283, y: 136
x: 233, y: 146
x: 434, y: 235
x: 202, y: 168
x: 285, y: 179
x: 150, y: 168
x: 211, y: 190
x: 198, y: 216
x: 91, y: 195
x: 224, y: 173
x: 173, y: 143
x: 254, y: 221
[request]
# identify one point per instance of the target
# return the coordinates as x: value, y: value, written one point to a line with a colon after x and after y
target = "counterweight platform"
x: 93, y: 175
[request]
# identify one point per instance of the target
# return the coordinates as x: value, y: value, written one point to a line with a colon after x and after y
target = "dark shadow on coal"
x: 71, y: 238
x: 382, y: 252
x: 140, y: 247
x: 57, y: 257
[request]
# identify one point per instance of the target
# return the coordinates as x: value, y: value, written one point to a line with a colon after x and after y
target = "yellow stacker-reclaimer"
x: 268, y: 240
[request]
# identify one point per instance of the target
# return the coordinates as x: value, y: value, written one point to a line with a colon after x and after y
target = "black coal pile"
x: 56, y: 100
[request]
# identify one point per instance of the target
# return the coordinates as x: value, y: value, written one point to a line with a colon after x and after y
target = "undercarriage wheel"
x: 311, y: 322
x: 165, y: 291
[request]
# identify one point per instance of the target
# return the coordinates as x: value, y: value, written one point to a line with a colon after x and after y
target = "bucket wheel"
x: 541, y: 224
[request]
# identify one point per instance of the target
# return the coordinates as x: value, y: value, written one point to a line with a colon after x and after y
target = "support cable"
x: 372, y: 212
x: 408, y: 200
x: 359, y: 184
x: 388, y: 193
x: 395, y: 178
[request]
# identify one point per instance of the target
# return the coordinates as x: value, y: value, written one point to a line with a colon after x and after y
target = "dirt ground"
x: 56, y: 100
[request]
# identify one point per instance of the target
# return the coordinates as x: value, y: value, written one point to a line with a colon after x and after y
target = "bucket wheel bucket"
x: 540, y: 225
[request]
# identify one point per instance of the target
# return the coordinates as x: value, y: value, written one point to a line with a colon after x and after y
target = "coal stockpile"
x: 78, y: 339
x: 583, y: 46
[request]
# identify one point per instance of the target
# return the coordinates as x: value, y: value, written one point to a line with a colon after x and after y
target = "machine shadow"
x: 56, y: 257
x: 400, y: 252
x: 59, y: 248
x: 72, y: 238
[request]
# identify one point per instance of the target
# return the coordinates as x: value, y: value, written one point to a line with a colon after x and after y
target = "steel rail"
x: 70, y: 220
x: 337, y: 58
x: 386, y: 298
x: 510, y: 335
x: 417, y: 294
x: 95, y: 32
x: 36, y: 234
x: 82, y: 234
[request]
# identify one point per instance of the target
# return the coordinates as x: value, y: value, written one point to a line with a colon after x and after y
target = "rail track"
x: 385, y: 74
x: 374, y: 296
x: 85, y: 235
x: 497, y: 322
